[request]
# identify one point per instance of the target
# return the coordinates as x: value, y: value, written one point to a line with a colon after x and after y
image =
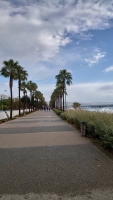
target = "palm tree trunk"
x: 63, y: 93
x: 10, y: 85
x: 33, y: 101
x: 19, y: 83
x: 37, y: 105
x: 24, y: 104
x: 30, y: 101
x: 65, y: 96
x: 60, y: 102
x: 53, y: 104
x: 63, y: 99
x: 29, y: 107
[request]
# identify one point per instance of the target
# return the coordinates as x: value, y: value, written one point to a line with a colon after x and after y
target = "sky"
x: 46, y: 36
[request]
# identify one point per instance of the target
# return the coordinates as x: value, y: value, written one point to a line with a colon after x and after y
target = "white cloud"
x: 95, y: 57
x: 36, y: 31
x: 90, y: 92
x: 109, y: 69
x: 42, y: 72
x: 87, y: 92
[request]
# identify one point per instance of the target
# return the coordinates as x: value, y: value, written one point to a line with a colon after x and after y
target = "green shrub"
x: 99, y: 125
x: 107, y: 139
x: 58, y: 112
x: 77, y: 122
x: 91, y: 128
x: 63, y: 116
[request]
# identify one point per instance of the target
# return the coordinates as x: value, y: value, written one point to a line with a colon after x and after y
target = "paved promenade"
x: 43, y: 157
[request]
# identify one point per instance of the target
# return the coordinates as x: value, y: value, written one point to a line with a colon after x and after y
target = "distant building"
x: 16, y: 99
x: 3, y: 96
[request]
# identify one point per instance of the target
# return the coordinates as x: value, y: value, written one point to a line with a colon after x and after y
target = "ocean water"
x: 108, y: 109
x: 96, y: 109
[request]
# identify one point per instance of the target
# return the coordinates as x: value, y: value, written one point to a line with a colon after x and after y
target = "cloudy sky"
x: 46, y: 36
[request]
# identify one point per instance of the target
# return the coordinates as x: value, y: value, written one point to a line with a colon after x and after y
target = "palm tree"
x: 64, y: 78
x: 24, y: 89
x: 59, y: 94
x: 31, y: 86
x: 76, y: 105
x: 56, y: 96
x: 38, y: 96
x: 21, y: 75
x: 9, y: 70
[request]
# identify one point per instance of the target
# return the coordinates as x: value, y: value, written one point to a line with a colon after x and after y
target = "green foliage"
x: 5, y: 103
x: 24, y: 99
x: 107, y: 139
x: 76, y: 105
x: 91, y: 128
x: 63, y: 116
x: 58, y: 112
x: 99, y: 125
x: 15, y: 105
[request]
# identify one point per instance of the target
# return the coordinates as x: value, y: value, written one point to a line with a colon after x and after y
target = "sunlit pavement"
x: 43, y: 157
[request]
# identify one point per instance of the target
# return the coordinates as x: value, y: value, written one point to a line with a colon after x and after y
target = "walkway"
x: 42, y: 154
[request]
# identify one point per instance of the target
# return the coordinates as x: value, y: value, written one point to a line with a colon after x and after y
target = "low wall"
x: 3, y: 115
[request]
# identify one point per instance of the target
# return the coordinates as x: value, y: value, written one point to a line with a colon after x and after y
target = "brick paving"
x: 42, y: 154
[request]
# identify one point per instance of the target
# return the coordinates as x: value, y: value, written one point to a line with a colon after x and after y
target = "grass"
x: 99, y: 125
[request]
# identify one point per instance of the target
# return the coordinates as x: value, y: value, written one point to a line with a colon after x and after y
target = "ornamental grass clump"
x: 58, y: 112
x: 99, y: 125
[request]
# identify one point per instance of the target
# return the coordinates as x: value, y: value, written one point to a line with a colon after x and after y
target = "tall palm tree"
x: 9, y: 70
x: 64, y: 78
x: 21, y: 75
x: 31, y: 86
x: 23, y: 88
x: 54, y: 98
x: 38, y: 96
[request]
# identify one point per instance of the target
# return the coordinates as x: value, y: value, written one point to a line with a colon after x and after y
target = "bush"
x: 99, y: 125
x: 91, y: 128
x: 107, y: 139
x: 63, y: 116
x: 58, y: 112
x: 77, y: 122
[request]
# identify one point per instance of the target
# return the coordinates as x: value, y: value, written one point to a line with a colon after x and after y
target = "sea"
x: 94, y: 107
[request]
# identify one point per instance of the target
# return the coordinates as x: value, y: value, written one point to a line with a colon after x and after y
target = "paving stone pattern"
x: 51, y: 159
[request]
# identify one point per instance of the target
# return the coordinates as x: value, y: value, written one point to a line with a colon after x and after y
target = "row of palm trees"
x: 57, y: 98
x: 14, y: 71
